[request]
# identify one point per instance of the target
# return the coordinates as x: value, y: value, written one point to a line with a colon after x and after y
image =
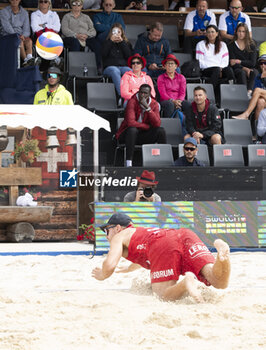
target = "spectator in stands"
x: 136, y: 5
x: 213, y: 57
x: 190, y: 151
x: 15, y: 20
x: 261, y: 127
x: 258, y: 100
x: 142, y: 122
x: 103, y: 21
x: 171, y: 86
x: 154, y: 47
x: 92, y: 4
x: 203, y: 121
x: 45, y: 20
x: 53, y: 93
x: 195, y: 25
x: 78, y: 31
x: 132, y: 80
x: 176, y: 4
x: 243, y: 57
x: 145, y: 189
x: 115, y: 53
x: 229, y: 20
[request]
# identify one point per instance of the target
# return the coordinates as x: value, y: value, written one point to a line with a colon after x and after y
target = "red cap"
x: 171, y: 57
x: 136, y: 55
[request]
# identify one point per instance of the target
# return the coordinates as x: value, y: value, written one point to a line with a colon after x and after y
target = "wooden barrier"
x: 19, y: 219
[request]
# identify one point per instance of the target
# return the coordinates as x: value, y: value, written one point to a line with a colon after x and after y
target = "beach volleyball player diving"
x: 167, y: 253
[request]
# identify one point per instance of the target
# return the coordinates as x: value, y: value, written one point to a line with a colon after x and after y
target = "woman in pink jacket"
x: 132, y: 80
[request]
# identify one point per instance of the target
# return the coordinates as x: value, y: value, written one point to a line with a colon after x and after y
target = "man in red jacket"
x: 142, y: 122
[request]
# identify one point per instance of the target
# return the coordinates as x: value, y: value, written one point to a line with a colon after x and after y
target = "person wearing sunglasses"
x: 229, y: 20
x: 53, y: 93
x: 203, y: 121
x: 258, y: 99
x: 190, y: 151
x: 78, y: 32
x: 168, y: 254
x: 14, y: 19
x: 45, y: 20
x: 132, y: 80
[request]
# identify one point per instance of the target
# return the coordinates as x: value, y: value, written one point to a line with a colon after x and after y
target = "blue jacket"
x: 182, y: 161
x: 153, y: 51
x: 259, y: 83
x: 103, y: 22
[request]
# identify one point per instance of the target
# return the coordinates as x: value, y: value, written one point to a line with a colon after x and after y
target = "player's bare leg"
x: 170, y: 290
x: 218, y: 273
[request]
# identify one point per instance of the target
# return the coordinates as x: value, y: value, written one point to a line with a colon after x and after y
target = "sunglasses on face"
x: 52, y: 75
x: 190, y: 149
x: 135, y: 62
x: 235, y: 7
x: 76, y: 3
x: 263, y: 63
x: 43, y: 1
x: 108, y: 5
x: 106, y: 230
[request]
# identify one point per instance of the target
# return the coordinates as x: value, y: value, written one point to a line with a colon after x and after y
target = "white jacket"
x: 50, y: 19
x: 207, y: 58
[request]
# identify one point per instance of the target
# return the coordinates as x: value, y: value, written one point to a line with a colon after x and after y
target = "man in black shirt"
x: 203, y: 121
x: 190, y: 152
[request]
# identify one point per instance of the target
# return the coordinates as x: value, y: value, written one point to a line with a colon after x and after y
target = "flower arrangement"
x: 29, y: 190
x: 27, y: 150
x: 88, y: 231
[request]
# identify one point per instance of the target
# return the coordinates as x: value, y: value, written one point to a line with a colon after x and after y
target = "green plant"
x: 27, y: 147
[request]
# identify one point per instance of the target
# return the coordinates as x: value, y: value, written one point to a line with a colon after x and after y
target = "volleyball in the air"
x: 49, y: 45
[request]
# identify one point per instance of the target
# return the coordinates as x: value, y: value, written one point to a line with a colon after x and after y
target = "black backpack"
x: 191, y: 69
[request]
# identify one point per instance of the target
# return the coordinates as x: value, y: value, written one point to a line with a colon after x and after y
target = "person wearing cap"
x: 141, y: 124
x: 229, y: 20
x: 172, y: 90
x: 258, y: 99
x: 154, y: 47
x: 168, y: 254
x: 53, y: 93
x: 145, y: 181
x: 195, y: 25
x: 132, y: 80
x: 203, y: 121
x: 190, y: 151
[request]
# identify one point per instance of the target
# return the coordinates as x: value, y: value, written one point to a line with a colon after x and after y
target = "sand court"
x: 52, y: 302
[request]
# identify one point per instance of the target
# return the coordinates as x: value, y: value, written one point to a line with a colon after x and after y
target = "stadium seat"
x: 208, y: 87
x: 259, y: 35
x: 237, y: 131
x: 76, y: 63
x: 157, y: 155
x: 234, y: 98
x: 173, y: 130
x: 170, y: 32
x: 122, y: 146
x: 102, y: 98
x: 203, y: 153
x: 257, y: 155
x: 133, y: 30
x: 183, y: 57
x: 228, y: 156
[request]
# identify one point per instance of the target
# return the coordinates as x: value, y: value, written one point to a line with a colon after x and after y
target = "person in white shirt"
x: 195, y: 25
x: 213, y: 57
x: 44, y: 20
x: 229, y: 20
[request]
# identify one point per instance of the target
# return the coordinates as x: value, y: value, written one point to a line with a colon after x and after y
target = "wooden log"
x: 20, y: 232
x: 55, y: 235
x: 62, y: 208
x: 13, y: 214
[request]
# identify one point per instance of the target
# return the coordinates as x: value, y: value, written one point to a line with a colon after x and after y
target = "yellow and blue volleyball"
x: 49, y: 45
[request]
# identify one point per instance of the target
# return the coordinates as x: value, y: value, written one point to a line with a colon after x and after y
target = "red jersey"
x: 169, y: 253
